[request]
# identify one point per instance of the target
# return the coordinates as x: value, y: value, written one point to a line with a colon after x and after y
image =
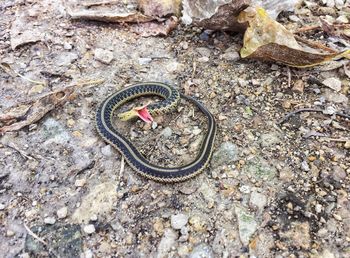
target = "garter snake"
x: 134, y: 158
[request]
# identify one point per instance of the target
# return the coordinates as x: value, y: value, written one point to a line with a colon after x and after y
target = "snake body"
x: 134, y: 158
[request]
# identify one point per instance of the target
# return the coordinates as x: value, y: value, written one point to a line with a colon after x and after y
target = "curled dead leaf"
x: 267, y: 40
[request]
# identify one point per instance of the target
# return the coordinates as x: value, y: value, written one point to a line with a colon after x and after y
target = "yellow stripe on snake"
x: 134, y: 158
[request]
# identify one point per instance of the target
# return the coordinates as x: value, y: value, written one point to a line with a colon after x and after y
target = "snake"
x: 170, y: 98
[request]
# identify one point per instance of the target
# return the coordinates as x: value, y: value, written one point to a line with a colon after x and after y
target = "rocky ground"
x: 271, y: 190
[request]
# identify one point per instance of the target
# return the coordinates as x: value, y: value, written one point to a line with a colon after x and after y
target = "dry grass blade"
x: 7, y: 68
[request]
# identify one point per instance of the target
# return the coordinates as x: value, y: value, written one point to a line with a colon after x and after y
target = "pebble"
x: 336, y: 97
x: 80, y: 182
x: 107, y: 151
x: 50, y: 220
x: 347, y: 145
x: 103, y: 55
x: 67, y: 46
x: 10, y: 233
x: 88, y: 254
x: 333, y: 83
x: 144, y: 60
x: 246, y: 224
x: 203, y: 59
x: 269, y: 139
x: 167, y: 242
x: 298, y: 86
x: 196, y: 131
x: 62, y: 213
x: 201, y: 251
x: 2, y: 206
x: 305, y: 166
x: 257, y: 200
x: 231, y: 56
x: 337, y: 217
x: 178, y: 221
x: 226, y: 153
x: 318, y: 208
x: 342, y: 19
x: 89, y: 229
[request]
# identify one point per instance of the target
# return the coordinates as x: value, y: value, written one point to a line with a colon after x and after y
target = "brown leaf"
x: 267, y: 40
x: 214, y: 15
x: 160, y: 8
x: 155, y: 28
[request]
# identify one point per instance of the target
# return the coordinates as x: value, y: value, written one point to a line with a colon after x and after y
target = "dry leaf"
x: 24, y: 114
x: 268, y: 40
x: 155, y: 28
x: 160, y: 8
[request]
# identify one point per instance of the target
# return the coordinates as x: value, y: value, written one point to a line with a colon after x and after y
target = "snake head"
x: 141, y: 112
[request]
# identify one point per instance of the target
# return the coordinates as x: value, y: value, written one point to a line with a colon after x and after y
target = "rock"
x: 257, y: 200
x: 62, y: 213
x: 144, y: 60
x: 89, y: 229
x: 260, y: 169
x: 270, y: 139
x: 50, y: 220
x: 167, y: 242
x: 230, y: 54
x: 347, y: 145
x: 227, y: 153
x: 203, y: 51
x: 166, y: 132
x: 178, y: 221
x: 201, y: 251
x: 327, y: 254
x: 10, y: 233
x: 333, y: 83
x: 100, y: 200
x: 80, y: 182
x: 2, y: 206
x: 338, y: 173
x: 246, y: 224
x: 298, y: 86
x: 336, y: 97
x: 107, y: 150
x: 66, y: 58
x: 305, y: 166
x: 65, y: 241
x: 342, y: 19
x: 299, y: 235
x: 103, y: 55
x: 203, y: 59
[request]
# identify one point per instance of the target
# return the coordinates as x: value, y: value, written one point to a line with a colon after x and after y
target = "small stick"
x: 309, y: 110
x: 34, y: 235
x: 289, y: 76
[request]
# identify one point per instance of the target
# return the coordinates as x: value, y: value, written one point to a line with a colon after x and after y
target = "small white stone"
x: 178, y: 221
x: 93, y: 217
x: 89, y: 229
x: 67, y: 46
x: 80, y: 182
x: 50, y: 220
x: 10, y: 233
x: 196, y: 131
x: 2, y: 206
x: 104, y: 56
x: 88, y: 254
x: 62, y: 213
x: 107, y: 150
x: 333, y: 83
x: 318, y: 208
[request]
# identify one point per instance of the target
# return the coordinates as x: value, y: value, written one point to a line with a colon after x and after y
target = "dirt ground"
x: 271, y: 190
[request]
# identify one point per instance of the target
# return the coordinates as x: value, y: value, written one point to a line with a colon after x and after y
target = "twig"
x: 34, y: 235
x: 22, y: 153
x: 289, y: 76
x: 335, y: 139
x: 309, y: 110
